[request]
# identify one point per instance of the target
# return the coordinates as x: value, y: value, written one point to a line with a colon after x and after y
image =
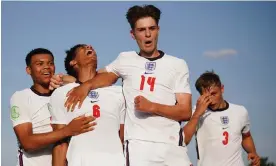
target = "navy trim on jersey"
x: 180, y: 142
x: 161, y: 54
x: 41, y: 94
x: 222, y: 109
x: 20, y: 157
x: 197, y: 151
x: 127, y: 154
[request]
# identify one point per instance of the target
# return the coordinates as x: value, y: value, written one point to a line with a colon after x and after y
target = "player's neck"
x: 43, y: 89
x: 86, y: 74
x: 154, y: 54
x: 222, y: 104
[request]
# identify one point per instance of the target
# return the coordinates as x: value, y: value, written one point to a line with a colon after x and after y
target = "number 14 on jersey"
x: 150, y: 82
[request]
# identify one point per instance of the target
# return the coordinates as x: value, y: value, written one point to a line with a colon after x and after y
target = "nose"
x: 89, y: 47
x: 148, y: 33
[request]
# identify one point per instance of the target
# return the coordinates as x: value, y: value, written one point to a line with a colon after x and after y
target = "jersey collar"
x: 41, y: 94
x: 221, y: 109
x: 161, y: 54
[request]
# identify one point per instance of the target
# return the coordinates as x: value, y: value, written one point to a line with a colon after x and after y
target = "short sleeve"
x: 246, y: 123
x: 19, y: 112
x: 57, y: 109
x: 115, y: 66
x: 182, y: 82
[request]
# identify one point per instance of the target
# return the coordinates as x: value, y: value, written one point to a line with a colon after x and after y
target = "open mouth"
x: 89, y: 53
x: 148, y: 42
x: 47, y: 74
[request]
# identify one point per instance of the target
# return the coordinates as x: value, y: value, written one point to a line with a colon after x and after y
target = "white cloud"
x: 220, y: 53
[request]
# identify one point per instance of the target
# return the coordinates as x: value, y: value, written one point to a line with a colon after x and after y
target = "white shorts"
x: 144, y: 153
x: 97, y: 159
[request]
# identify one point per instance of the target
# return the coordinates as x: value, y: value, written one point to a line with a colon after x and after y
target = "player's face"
x: 146, y: 33
x: 216, y: 93
x: 86, y: 56
x: 41, y: 69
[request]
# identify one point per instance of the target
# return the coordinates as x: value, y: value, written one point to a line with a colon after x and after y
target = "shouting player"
x: 157, y: 92
x: 102, y: 146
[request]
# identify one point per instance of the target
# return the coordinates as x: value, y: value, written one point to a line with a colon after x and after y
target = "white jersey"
x: 28, y: 106
x: 219, y: 136
x: 108, y: 106
x: 158, y: 80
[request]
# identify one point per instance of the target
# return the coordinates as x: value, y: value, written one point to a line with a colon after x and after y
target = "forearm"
x: 102, y: 80
x: 190, y: 129
x: 59, y: 154
x: 248, y: 144
x: 37, y: 141
x: 177, y: 112
x: 59, y: 150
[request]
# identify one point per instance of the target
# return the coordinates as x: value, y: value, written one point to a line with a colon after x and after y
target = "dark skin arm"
x: 30, y: 141
x: 60, y: 150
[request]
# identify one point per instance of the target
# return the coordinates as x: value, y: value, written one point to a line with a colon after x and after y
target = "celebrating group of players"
x: 81, y: 119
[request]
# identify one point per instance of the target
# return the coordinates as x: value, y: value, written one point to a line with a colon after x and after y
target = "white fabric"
x: 28, y: 107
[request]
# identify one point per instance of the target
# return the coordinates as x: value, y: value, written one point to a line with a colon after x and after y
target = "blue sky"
x: 236, y: 39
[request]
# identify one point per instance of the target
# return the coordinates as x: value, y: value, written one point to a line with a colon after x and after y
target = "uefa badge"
x: 150, y: 67
x: 93, y: 95
x: 224, y: 120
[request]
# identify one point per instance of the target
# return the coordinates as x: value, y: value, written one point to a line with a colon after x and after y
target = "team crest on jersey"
x: 224, y: 120
x: 93, y: 94
x: 150, y: 67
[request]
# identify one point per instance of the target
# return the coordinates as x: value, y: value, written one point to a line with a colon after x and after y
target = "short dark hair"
x: 70, y: 55
x: 35, y: 52
x: 136, y: 12
x: 206, y: 80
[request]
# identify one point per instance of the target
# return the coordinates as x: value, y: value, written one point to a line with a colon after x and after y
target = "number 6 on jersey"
x: 96, y: 111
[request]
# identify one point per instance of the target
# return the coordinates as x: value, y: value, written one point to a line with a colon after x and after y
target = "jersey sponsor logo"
x: 93, y: 94
x: 15, y: 112
x: 150, y: 67
x: 224, y: 120
x: 49, y: 107
x: 224, y: 128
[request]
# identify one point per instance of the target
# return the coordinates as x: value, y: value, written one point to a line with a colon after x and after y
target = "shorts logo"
x: 93, y: 95
x: 15, y: 112
x: 150, y: 67
x: 224, y: 120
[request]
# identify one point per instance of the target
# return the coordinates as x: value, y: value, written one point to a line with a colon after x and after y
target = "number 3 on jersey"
x: 226, y: 138
x: 96, y: 111
x: 150, y: 81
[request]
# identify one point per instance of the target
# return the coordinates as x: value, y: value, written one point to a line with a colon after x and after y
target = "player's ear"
x: 73, y: 63
x: 132, y: 34
x: 28, y: 70
x: 222, y: 88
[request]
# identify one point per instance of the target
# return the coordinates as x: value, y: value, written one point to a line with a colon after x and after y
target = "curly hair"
x: 70, y: 55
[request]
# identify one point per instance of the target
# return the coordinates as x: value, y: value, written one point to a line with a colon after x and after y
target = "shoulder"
x: 62, y: 91
x: 240, y: 109
x: 127, y: 55
x: 114, y: 91
x: 21, y: 95
x: 175, y: 61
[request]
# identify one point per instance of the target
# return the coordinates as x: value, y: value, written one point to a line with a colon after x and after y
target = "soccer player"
x: 221, y: 128
x: 102, y: 146
x: 153, y: 82
x: 30, y: 115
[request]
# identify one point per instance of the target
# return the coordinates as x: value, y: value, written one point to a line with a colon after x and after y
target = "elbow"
x: 29, y: 147
x: 185, y: 116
